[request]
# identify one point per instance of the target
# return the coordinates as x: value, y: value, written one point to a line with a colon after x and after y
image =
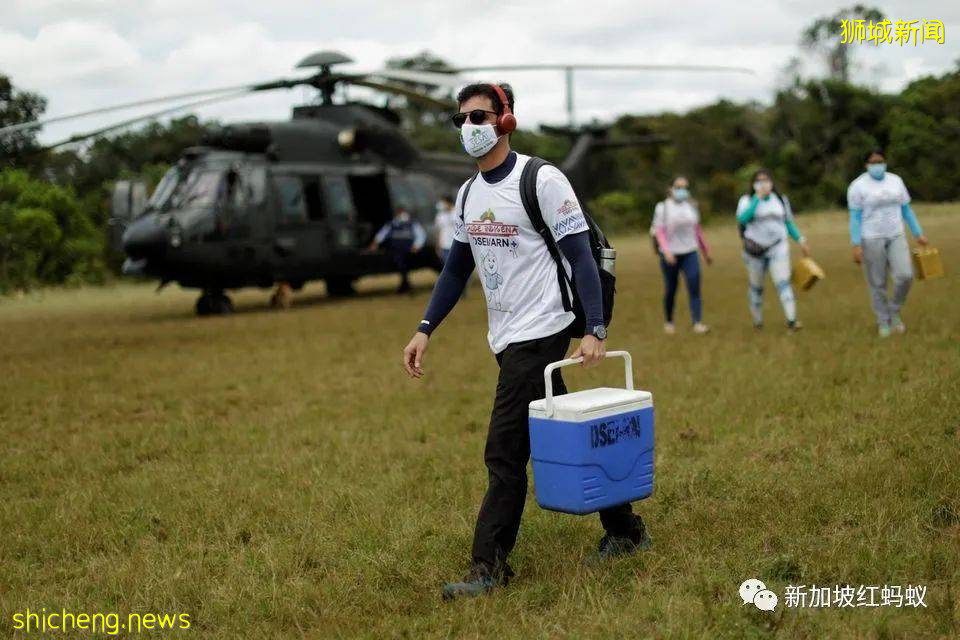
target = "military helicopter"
x: 284, y: 203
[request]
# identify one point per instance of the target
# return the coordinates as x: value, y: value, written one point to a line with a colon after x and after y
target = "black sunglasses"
x: 477, y: 116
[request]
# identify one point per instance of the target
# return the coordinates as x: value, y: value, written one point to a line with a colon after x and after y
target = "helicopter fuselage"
x: 289, y: 202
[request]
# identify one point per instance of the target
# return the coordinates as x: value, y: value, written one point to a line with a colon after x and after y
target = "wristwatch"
x: 599, y: 332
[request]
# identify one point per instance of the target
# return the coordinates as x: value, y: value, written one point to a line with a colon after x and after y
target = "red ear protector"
x: 506, y: 121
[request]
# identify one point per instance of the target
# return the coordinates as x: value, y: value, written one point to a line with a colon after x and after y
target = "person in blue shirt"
x: 402, y: 236
x: 879, y: 205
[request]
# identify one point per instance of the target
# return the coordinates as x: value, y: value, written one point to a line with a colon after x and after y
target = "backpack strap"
x: 463, y: 198
x: 531, y: 204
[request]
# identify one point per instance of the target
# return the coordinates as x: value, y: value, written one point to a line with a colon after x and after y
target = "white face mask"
x: 478, y: 139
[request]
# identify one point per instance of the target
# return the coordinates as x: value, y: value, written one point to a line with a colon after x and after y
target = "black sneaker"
x: 794, y: 325
x: 616, y: 546
x: 480, y: 580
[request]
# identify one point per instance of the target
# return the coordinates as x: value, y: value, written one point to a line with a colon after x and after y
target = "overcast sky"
x: 82, y: 54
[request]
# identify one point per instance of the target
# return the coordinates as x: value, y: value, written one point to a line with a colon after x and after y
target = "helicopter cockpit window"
x: 231, y: 190
x: 339, y: 201
x: 422, y: 196
x: 293, y: 209
x: 401, y: 195
x: 255, y: 183
x: 165, y: 188
x: 201, y: 188
x: 313, y: 197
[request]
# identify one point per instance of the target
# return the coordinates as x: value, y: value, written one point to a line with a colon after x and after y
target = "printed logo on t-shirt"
x: 487, y: 232
x: 569, y: 219
x: 568, y: 207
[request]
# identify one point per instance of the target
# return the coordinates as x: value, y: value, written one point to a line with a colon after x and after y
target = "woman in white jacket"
x: 766, y: 220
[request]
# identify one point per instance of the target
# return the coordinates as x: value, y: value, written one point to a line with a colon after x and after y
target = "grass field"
x: 276, y: 475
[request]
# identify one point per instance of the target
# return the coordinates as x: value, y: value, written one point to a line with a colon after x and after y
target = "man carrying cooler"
x: 528, y: 327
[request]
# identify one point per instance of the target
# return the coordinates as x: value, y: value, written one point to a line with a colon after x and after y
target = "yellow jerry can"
x: 926, y: 262
x: 806, y: 273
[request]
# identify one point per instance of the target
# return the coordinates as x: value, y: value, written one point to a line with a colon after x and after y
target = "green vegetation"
x: 274, y: 478
x: 46, y: 237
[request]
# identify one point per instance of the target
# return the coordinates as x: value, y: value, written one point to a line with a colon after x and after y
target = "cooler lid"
x: 591, y: 401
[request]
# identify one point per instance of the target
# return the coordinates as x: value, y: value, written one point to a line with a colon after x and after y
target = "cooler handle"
x: 549, y: 369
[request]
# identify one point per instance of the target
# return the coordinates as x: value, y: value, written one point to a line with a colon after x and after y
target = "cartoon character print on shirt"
x: 492, y: 279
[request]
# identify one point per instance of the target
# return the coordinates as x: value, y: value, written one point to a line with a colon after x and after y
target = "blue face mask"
x: 679, y: 193
x: 877, y: 170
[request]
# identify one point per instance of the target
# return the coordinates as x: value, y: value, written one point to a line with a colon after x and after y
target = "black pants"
x: 401, y: 260
x: 508, y: 449
x: 689, y: 264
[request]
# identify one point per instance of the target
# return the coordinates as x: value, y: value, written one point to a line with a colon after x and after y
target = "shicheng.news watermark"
x: 900, y: 32
x: 838, y: 596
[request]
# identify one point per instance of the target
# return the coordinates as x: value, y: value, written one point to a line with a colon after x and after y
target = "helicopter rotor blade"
x: 568, y: 70
x: 607, y: 67
x: 263, y: 86
x: 410, y: 94
x: 150, y: 116
x: 430, y: 78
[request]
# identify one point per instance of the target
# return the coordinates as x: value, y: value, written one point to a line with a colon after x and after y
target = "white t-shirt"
x: 445, y: 222
x: 769, y: 223
x: 881, y: 201
x: 516, y: 269
x: 679, y: 220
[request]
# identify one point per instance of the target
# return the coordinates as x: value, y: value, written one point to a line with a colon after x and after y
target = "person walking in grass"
x: 528, y: 326
x: 444, y: 223
x: 879, y: 204
x: 676, y: 226
x: 403, y: 236
x: 766, y: 220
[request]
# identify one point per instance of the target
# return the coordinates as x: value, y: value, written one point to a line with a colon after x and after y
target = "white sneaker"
x: 700, y: 328
x: 668, y: 328
x: 897, y: 324
x: 883, y: 330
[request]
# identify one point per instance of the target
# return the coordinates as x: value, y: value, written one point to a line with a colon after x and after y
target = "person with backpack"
x: 765, y: 220
x: 520, y: 223
x: 676, y: 227
x: 879, y: 204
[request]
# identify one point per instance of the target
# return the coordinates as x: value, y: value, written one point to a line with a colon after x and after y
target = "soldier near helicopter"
x: 402, y: 237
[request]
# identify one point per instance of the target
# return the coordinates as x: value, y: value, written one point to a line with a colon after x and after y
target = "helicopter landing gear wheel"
x: 214, y: 303
x: 282, y: 298
x: 340, y: 287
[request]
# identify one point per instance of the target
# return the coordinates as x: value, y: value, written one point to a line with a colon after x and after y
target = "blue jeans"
x: 689, y: 263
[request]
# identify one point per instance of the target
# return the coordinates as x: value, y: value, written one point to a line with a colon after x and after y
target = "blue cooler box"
x: 592, y: 449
